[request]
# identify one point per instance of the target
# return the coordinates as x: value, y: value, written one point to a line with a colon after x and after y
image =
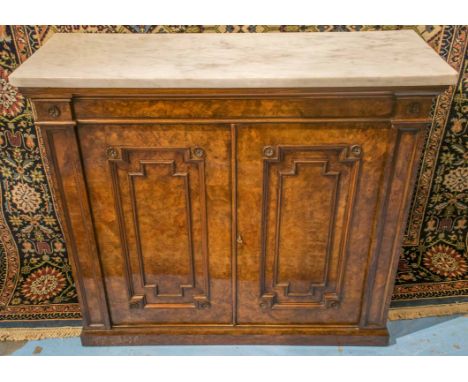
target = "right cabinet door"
x: 308, y: 202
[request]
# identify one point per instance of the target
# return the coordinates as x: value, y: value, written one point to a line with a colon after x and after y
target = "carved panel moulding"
x: 131, y: 165
x: 338, y: 166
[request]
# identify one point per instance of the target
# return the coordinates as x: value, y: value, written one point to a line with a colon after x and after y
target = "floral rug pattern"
x: 35, y: 274
x: 434, y: 262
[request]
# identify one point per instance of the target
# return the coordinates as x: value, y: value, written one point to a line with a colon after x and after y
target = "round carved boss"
x: 268, y: 151
x: 198, y: 152
x: 54, y: 111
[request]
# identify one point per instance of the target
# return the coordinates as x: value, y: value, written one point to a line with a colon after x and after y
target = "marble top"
x: 247, y: 60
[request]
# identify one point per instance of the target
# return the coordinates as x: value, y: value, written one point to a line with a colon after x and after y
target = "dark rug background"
x: 35, y: 276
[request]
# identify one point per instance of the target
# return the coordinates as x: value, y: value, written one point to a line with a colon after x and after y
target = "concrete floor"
x: 425, y: 336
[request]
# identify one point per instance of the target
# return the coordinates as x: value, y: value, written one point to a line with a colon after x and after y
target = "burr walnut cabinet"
x: 209, y: 198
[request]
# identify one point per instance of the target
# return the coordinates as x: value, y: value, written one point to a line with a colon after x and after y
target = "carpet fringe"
x: 407, y: 313
x: 31, y: 334
x: 410, y: 313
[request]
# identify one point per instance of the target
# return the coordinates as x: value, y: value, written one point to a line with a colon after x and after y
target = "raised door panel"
x: 306, y: 216
x: 164, y: 243
x: 302, y: 253
x: 161, y: 203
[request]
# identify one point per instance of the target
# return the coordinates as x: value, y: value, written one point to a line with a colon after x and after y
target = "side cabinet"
x: 230, y: 216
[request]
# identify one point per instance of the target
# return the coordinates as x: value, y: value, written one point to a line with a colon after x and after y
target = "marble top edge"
x: 234, y: 60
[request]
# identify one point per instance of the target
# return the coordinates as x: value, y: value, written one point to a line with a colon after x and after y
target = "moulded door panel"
x: 307, y: 201
x: 160, y: 198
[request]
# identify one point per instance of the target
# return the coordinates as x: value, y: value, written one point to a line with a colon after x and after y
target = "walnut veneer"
x: 233, y: 216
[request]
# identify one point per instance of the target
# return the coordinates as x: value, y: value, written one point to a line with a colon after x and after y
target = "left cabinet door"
x: 161, y: 206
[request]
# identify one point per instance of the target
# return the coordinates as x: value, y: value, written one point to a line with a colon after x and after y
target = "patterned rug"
x: 35, y: 275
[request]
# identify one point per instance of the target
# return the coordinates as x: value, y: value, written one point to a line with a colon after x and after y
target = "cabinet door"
x: 160, y: 199
x: 307, y: 202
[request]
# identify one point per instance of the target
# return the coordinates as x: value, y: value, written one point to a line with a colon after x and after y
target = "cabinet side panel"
x: 67, y: 176
x: 410, y: 139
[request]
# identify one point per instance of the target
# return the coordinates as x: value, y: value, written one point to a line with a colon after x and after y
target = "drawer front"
x: 160, y: 201
x: 308, y: 196
x: 377, y: 105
